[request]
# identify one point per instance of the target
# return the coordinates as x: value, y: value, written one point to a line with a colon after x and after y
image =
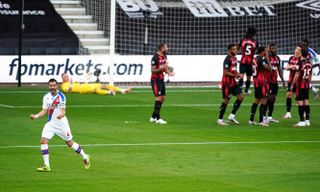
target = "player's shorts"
x: 289, y: 86
x: 246, y: 69
x: 302, y: 94
x: 273, y: 88
x: 261, y: 92
x: 57, y: 127
x: 158, y: 87
x: 227, y: 92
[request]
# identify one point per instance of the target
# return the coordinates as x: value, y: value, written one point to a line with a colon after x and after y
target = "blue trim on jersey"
x: 312, y: 52
x: 61, y: 95
x: 49, y: 117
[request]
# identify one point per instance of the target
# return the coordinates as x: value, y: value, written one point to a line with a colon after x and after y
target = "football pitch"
x: 190, y: 153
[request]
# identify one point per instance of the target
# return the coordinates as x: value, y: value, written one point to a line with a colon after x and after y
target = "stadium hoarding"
x: 38, y: 69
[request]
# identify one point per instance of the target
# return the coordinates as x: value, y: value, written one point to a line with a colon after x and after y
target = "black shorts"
x: 158, y: 87
x: 261, y: 92
x: 246, y: 69
x: 302, y: 94
x: 289, y: 87
x: 273, y: 89
x: 227, y: 92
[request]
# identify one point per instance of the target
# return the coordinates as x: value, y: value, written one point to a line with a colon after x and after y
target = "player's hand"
x: 284, y: 84
x: 60, y: 116
x: 171, y: 74
x: 33, y: 116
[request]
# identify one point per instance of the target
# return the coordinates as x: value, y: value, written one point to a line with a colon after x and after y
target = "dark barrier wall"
x: 45, y: 30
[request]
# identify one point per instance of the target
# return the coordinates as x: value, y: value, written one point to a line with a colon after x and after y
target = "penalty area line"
x: 171, y: 143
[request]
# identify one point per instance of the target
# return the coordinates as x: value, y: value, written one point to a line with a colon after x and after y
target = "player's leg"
x: 104, y: 92
x: 254, y: 106
x: 236, y: 105
x: 262, y: 112
x: 226, y: 97
x: 271, y: 100
x: 301, y: 108
x: 243, y: 69
x: 159, y: 92
x: 307, y: 107
x: 77, y: 148
x: 64, y: 132
x: 248, y: 79
x: 314, y: 91
x: 288, y: 102
x: 47, y: 134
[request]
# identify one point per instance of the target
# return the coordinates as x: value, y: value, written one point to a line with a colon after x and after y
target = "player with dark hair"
x: 159, y: 66
x: 230, y: 85
x: 301, y: 80
x: 248, y: 47
x: 291, y: 67
x: 273, y: 79
x: 54, y: 104
x: 261, y: 66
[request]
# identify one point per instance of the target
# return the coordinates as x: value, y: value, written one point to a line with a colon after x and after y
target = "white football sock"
x: 45, y: 154
x: 76, y: 147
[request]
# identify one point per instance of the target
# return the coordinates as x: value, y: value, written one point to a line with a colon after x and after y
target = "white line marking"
x: 134, y: 91
x: 161, y: 144
x: 136, y: 105
x: 6, y: 106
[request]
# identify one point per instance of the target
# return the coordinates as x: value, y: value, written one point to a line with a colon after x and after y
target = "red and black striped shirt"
x: 292, y: 61
x: 259, y: 73
x: 248, y: 47
x: 275, y: 64
x: 305, y: 72
x: 230, y: 64
x: 158, y: 60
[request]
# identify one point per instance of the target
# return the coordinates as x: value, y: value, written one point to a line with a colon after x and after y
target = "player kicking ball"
x: 54, y: 103
x: 230, y: 85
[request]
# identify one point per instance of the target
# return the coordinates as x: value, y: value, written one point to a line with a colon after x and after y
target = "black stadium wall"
x: 45, y: 30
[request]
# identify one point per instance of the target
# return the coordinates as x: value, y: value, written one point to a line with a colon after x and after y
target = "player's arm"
x: 226, y: 67
x: 280, y: 71
x: 295, y: 79
x: 296, y: 75
x: 62, y: 113
x: 38, y: 115
x: 168, y: 71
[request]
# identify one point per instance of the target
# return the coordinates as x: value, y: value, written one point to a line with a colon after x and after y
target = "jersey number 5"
x: 248, y: 50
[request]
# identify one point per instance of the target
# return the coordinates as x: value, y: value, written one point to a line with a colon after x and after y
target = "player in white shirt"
x: 54, y: 103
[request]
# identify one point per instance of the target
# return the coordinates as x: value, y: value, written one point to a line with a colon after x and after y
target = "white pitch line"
x: 6, y: 106
x: 134, y: 91
x: 162, y: 144
x: 134, y: 105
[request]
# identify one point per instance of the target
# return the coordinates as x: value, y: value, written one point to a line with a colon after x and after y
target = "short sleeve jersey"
x: 54, y: 104
x: 158, y: 60
x: 248, y: 47
x: 275, y: 64
x: 305, y: 71
x: 230, y: 64
x: 259, y: 73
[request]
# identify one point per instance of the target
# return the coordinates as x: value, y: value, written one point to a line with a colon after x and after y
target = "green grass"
x: 209, y: 167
